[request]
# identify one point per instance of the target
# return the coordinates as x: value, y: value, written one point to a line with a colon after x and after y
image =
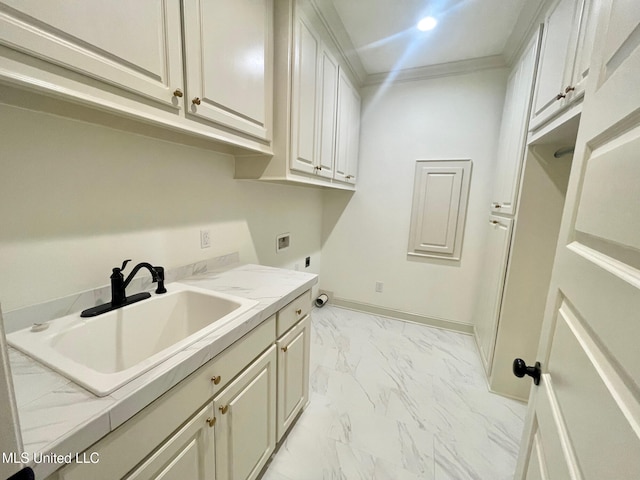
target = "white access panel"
x: 440, y: 194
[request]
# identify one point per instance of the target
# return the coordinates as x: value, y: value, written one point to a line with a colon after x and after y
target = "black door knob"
x: 520, y: 369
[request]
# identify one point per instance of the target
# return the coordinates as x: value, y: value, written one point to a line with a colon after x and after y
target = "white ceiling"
x: 385, y: 38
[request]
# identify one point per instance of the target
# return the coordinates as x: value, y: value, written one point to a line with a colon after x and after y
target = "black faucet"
x: 119, y: 286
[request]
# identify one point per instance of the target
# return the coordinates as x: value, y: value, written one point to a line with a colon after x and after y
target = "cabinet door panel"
x: 304, y: 108
x: 348, y: 131
x: 588, y: 23
x: 246, y: 421
x: 293, y: 374
x: 488, y: 310
x: 187, y: 454
x: 554, y: 57
x: 228, y: 63
x: 353, y: 150
x: 328, y: 100
x: 132, y: 45
x: 513, y: 132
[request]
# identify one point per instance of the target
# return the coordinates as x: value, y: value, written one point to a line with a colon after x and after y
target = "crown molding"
x: 440, y: 70
x: 333, y: 23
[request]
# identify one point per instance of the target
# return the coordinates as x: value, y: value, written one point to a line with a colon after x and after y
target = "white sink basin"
x: 103, y: 353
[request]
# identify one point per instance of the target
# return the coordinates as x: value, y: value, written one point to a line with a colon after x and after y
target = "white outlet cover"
x: 205, y: 239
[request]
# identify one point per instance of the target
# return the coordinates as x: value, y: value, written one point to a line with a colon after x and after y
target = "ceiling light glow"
x: 427, y: 23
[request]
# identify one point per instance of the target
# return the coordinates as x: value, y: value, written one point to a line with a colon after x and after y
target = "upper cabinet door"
x: 588, y: 20
x: 132, y: 45
x: 557, y: 54
x: 228, y: 63
x: 328, y: 102
x: 348, y: 131
x: 304, y: 101
x: 513, y: 132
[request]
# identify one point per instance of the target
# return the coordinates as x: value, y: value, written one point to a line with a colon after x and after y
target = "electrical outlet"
x: 307, y: 262
x: 379, y: 287
x: 205, y: 239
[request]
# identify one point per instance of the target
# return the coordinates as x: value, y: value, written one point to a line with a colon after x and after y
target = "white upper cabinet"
x: 316, y: 109
x: 304, y: 105
x: 133, y: 45
x: 228, y: 63
x: 554, y: 56
x: 588, y: 18
x: 127, y: 58
x: 569, y: 32
x: 348, y: 131
x: 328, y: 96
x: 513, y: 131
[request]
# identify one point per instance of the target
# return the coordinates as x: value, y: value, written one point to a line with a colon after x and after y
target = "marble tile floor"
x: 392, y: 400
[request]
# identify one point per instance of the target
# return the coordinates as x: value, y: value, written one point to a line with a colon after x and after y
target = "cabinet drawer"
x: 292, y: 313
x: 131, y: 442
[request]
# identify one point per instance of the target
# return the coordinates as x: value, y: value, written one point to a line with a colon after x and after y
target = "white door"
x: 584, y: 417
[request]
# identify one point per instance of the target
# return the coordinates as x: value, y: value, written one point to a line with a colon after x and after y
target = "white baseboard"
x: 459, y: 327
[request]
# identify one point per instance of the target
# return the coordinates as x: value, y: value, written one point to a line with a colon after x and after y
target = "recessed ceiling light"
x: 427, y: 23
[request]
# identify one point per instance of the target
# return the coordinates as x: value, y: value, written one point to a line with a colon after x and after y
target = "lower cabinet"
x: 244, y: 401
x: 187, y: 454
x: 293, y: 374
x: 245, y: 430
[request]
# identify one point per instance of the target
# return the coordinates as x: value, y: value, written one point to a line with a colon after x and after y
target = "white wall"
x: 365, y: 240
x: 76, y: 199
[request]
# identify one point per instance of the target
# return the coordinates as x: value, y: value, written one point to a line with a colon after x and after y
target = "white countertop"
x: 57, y: 416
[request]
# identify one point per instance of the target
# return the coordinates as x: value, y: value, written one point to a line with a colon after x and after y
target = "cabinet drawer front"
x: 131, y: 442
x: 226, y: 366
x: 293, y: 313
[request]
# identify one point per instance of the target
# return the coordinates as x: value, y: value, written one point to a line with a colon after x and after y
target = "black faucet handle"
x: 160, y: 280
x: 124, y: 264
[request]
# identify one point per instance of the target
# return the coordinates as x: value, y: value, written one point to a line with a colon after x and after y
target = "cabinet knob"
x: 224, y: 409
x: 211, y: 421
x: 317, y: 168
x: 560, y: 96
x: 178, y: 93
x: 520, y: 369
x: 493, y: 222
x: 284, y: 349
x: 349, y: 177
x: 196, y: 101
x: 216, y: 379
x: 298, y: 311
x: 569, y: 89
x: 497, y: 205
